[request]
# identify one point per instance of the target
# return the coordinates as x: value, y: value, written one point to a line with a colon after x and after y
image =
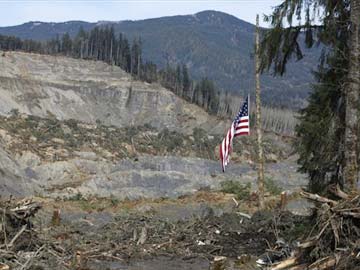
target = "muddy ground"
x: 191, y: 232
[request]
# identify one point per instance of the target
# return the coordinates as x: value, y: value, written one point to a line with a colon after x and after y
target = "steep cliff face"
x: 89, y: 91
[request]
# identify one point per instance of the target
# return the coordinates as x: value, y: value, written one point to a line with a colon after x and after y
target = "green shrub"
x: 241, y: 190
x: 272, y: 187
x: 114, y: 201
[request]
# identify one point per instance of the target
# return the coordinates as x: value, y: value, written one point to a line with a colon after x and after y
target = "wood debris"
x: 333, y: 243
x: 16, y: 232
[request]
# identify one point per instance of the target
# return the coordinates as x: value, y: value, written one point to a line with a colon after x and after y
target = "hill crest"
x: 212, y: 44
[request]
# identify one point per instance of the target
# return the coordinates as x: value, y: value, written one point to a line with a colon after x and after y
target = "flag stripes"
x: 239, y: 127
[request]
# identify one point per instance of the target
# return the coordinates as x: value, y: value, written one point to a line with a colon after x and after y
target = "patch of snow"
x: 34, y: 24
x: 195, y: 17
x: 108, y: 22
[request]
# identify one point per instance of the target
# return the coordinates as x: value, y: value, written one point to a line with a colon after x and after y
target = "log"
x: 299, y: 267
x: 350, y: 214
x: 4, y: 266
x: 317, y: 198
x: 12, y: 242
x: 244, y: 215
x: 323, y: 263
x: 28, y: 262
x: 55, y: 220
x: 335, y: 189
x: 308, y: 244
x: 143, y: 236
x: 335, y: 229
x: 235, y: 201
x: 286, y: 263
x: 25, y: 211
x: 283, y: 200
x: 347, y: 209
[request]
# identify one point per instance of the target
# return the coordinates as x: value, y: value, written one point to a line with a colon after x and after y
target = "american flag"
x: 239, y: 127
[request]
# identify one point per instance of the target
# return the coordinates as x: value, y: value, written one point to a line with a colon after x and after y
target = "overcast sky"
x: 14, y: 12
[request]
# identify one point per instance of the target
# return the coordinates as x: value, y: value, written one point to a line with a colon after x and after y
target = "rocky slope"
x: 81, y: 128
x: 13, y: 179
x: 68, y: 158
x: 92, y: 91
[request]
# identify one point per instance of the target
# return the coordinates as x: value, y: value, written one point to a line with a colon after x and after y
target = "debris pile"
x: 334, y: 241
x: 55, y: 140
x: 19, y: 243
x: 55, y: 239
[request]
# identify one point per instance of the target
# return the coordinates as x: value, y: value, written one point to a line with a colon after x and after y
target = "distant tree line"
x: 102, y: 44
x: 203, y: 92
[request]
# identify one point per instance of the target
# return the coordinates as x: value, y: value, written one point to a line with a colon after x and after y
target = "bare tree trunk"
x: 351, y: 167
x: 260, y: 181
x: 81, y: 49
x: 117, y: 55
x: 111, y: 53
x: 138, y: 66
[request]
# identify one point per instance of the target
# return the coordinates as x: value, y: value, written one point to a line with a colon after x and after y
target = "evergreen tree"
x: 149, y: 72
x: 80, y: 44
x: 126, y: 56
x: 101, y: 44
x: 196, y: 94
x: 178, y: 81
x: 66, y: 44
x: 332, y: 105
x: 321, y: 127
x: 111, y: 45
x: 136, y: 57
x: 185, y: 81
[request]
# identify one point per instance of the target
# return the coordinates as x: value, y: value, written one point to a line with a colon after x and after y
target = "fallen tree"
x: 17, y: 237
x: 334, y: 241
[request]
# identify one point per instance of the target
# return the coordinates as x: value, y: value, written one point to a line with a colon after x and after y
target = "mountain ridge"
x: 195, y: 15
x: 212, y: 44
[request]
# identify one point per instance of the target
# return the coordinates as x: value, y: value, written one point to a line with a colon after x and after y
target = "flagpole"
x: 260, y: 180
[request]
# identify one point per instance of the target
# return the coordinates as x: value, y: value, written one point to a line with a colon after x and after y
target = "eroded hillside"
x: 93, y: 91
x: 74, y: 127
x: 108, y: 158
x: 68, y: 157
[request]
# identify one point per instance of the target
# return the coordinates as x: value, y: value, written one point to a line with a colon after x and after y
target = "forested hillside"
x: 210, y: 44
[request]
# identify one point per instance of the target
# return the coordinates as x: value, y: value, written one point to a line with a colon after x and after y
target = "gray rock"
x: 148, y: 177
x: 86, y: 155
x: 92, y: 90
x: 145, y: 208
x: 13, y: 180
x: 28, y: 159
x: 158, y: 176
